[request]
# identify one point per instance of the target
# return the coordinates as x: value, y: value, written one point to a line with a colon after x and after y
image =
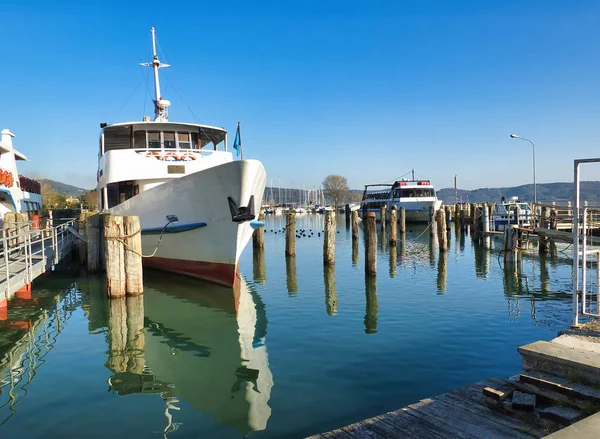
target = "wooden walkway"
x: 457, y: 414
x: 31, y: 254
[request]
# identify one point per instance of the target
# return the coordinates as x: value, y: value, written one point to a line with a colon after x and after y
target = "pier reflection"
x: 291, y: 275
x: 197, y: 342
x: 482, y: 260
x: 372, y: 304
x: 331, y: 301
x: 27, y: 334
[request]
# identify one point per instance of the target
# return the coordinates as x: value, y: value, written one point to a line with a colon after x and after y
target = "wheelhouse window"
x: 153, y: 140
x: 139, y: 140
x: 184, y: 140
x: 169, y: 140
x: 412, y: 193
x: 195, y: 141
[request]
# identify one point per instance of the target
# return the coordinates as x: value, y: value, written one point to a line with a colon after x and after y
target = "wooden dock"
x: 461, y: 413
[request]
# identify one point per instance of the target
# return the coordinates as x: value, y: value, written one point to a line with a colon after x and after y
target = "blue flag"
x: 237, y: 143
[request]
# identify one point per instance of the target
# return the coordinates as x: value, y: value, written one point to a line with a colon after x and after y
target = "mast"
x: 160, y: 104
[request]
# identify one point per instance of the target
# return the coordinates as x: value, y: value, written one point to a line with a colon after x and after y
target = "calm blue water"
x: 294, y: 350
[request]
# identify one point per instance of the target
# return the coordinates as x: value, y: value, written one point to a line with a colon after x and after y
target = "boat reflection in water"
x: 199, y: 343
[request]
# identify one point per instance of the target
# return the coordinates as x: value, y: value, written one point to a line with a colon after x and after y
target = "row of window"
x: 165, y: 140
x: 400, y: 193
x: 30, y: 205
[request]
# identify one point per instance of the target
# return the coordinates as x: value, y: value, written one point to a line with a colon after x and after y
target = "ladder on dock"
x: 26, y: 253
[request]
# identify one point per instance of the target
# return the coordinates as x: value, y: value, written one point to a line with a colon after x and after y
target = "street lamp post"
x: 514, y: 136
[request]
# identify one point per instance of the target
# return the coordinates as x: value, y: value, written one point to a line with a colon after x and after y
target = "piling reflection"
x: 544, y: 274
x: 355, y: 252
x: 442, y: 272
x: 432, y: 251
x: 482, y: 260
x: 193, y: 341
x: 259, y: 267
x: 402, y: 249
x: 331, y: 301
x: 393, y: 260
x: 372, y: 304
x: 291, y: 275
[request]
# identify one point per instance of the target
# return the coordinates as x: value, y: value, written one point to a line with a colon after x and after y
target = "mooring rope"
x: 122, y: 238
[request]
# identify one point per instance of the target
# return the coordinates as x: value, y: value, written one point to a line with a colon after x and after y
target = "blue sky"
x: 368, y: 90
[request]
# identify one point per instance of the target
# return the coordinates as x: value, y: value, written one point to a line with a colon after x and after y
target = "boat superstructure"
x: 185, y: 186
x: 512, y: 211
x: 17, y: 192
x: 415, y: 196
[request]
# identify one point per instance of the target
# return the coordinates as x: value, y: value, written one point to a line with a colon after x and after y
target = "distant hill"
x: 63, y: 188
x: 590, y: 191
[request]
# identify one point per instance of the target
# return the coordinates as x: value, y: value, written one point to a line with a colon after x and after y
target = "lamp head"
x: 514, y: 136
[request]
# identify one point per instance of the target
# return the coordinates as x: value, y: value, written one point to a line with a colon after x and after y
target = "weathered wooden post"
x: 258, y: 236
x: 348, y: 214
x: 93, y: 243
x: 448, y: 210
x: 114, y: 255
x: 402, y: 220
x: 393, y: 261
x: 329, y: 238
x: 473, y: 213
x: 553, y: 219
x: 432, y: 221
x: 383, y: 216
x: 393, y: 226
x: 543, y: 240
x: 132, y: 243
x: 511, y: 245
x: 485, y: 220
x: 290, y: 234
x: 354, y: 226
x: 370, y: 243
x: 441, y: 230
x: 331, y: 301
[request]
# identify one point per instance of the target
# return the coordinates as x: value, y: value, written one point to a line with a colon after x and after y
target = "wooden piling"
x: 82, y: 246
x: 543, y: 240
x: 258, y: 236
x: 473, y: 213
x: 402, y: 221
x: 441, y: 230
x: 329, y: 238
x: 511, y: 243
x: 448, y: 210
x: 462, y: 220
x: 393, y: 226
x: 370, y: 228
x: 114, y: 255
x: 93, y: 243
x: 383, y: 217
x: 354, y: 226
x: 348, y: 215
x: 290, y: 234
x: 132, y: 243
x: 432, y: 228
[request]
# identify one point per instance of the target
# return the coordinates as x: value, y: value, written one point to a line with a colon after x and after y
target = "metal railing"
x: 23, y: 247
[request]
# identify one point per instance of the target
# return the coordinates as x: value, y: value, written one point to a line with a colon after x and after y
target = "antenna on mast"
x: 160, y: 104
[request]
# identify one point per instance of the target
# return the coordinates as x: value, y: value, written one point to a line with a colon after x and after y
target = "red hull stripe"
x: 219, y: 273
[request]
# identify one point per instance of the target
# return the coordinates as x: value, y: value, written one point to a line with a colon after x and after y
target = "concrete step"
x: 573, y: 362
x: 559, y: 389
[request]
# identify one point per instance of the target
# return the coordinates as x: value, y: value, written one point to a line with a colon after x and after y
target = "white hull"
x: 209, y: 252
x: 415, y: 211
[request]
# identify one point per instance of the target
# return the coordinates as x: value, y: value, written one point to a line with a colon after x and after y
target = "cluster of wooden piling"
x: 113, y: 245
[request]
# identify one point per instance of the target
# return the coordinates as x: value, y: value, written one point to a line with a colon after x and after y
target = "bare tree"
x: 336, y: 188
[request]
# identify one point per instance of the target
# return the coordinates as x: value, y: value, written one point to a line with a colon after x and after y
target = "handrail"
x: 21, y: 243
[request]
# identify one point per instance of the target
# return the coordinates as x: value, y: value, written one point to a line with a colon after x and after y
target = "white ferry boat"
x: 186, y: 188
x: 17, y: 192
x: 416, y: 196
x: 512, y: 211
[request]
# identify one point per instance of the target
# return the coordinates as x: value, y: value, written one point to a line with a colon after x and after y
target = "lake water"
x: 294, y: 350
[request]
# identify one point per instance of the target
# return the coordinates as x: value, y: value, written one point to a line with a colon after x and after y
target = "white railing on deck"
x: 28, y: 246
